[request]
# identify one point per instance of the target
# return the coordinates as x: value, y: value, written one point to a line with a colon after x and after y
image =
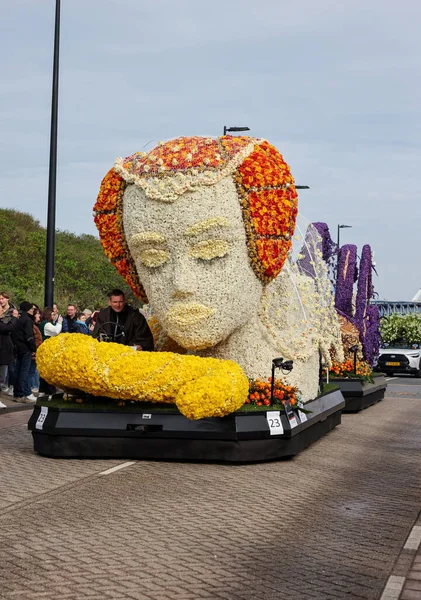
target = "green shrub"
x: 401, y: 329
x: 83, y: 274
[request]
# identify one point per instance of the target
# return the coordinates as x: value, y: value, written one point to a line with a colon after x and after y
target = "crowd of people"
x: 24, y: 329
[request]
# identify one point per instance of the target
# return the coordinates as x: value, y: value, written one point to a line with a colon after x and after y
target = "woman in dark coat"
x: 6, y: 348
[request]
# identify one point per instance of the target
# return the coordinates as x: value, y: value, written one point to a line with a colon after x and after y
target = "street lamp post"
x: 52, y: 176
x: 235, y: 129
x: 342, y: 227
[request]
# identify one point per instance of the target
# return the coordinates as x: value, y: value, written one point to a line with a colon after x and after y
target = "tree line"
x: 83, y: 274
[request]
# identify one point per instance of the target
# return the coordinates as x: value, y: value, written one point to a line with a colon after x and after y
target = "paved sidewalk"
x: 332, y: 523
x: 11, y: 405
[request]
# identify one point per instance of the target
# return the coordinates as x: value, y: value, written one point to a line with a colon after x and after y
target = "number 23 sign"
x: 274, y: 421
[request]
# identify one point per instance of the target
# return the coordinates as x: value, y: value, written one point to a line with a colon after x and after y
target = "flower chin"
x: 193, y: 339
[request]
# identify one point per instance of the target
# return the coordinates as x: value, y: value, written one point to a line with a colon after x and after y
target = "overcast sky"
x: 333, y: 84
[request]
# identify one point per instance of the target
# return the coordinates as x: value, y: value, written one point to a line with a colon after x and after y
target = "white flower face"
x: 191, y: 257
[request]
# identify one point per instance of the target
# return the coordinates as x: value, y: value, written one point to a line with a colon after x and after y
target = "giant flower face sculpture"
x: 194, y: 267
x: 199, y: 226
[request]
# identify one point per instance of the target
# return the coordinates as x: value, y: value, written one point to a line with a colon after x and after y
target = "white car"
x: 400, y: 359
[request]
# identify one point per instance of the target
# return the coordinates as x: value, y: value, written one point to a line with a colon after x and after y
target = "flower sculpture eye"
x: 209, y: 249
x: 152, y: 257
x: 150, y: 248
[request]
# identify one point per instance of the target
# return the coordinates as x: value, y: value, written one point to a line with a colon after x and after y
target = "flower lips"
x: 190, y: 314
x: 186, y: 323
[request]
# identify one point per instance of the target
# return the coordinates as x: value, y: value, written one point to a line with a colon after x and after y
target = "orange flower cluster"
x: 346, y: 369
x: 259, y: 392
x: 185, y: 153
x: 269, y: 201
x: 109, y: 221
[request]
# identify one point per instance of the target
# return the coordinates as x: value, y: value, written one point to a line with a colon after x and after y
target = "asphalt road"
x: 331, y: 523
x: 404, y: 380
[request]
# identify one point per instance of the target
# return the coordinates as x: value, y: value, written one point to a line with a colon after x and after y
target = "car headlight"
x: 414, y: 355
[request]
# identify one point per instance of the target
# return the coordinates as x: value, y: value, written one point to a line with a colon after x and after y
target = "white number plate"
x: 41, y: 417
x: 274, y: 421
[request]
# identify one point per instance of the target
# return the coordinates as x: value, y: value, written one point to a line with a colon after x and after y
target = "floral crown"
x: 265, y: 186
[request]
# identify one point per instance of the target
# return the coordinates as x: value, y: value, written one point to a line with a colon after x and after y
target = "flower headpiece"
x: 265, y: 186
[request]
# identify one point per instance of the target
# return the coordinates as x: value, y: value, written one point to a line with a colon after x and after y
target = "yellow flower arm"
x: 200, y: 387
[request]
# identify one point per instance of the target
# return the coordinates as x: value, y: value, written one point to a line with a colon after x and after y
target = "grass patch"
x: 251, y: 408
x: 106, y: 404
x: 330, y: 387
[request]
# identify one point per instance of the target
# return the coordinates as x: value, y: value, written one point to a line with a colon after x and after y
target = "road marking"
x: 414, y: 538
x: 389, y: 378
x: 393, y: 588
x: 117, y: 468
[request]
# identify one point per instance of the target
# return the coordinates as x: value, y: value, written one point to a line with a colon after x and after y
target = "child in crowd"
x: 80, y: 322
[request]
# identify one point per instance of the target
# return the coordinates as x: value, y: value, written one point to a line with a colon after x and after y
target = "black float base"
x: 359, y: 394
x: 140, y: 434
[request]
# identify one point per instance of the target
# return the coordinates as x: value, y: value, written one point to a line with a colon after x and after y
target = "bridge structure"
x: 400, y: 307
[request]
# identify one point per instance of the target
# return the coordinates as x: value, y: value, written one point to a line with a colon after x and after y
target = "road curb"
x: 401, y: 578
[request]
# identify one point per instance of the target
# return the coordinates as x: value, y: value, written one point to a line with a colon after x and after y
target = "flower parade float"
x: 359, y: 321
x: 360, y: 387
x: 205, y: 230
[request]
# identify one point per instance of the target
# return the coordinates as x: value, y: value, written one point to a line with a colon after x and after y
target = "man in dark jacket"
x: 69, y: 321
x: 122, y: 324
x: 25, y: 348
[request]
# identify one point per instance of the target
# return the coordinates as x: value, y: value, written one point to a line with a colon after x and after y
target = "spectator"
x: 69, y: 321
x: 25, y: 348
x: 90, y: 321
x: 81, y: 323
x: 56, y: 314
x: 33, y: 373
x: 122, y: 324
x: 48, y: 329
x: 9, y: 309
x: 6, y: 347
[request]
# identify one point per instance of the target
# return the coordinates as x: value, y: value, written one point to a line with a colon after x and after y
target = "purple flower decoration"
x: 367, y: 318
x: 345, y: 279
x: 329, y: 251
x: 343, y: 273
x: 328, y: 245
x: 365, y: 283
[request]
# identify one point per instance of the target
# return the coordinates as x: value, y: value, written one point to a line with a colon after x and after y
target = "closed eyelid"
x: 153, y: 257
